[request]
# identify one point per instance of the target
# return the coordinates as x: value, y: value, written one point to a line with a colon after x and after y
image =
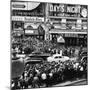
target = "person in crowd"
x: 49, y: 73
x: 35, y: 82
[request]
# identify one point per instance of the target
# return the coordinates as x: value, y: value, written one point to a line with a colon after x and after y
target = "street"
x: 73, y: 83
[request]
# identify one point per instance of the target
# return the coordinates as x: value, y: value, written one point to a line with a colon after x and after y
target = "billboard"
x: 67, y: 10
x: 28, y: 9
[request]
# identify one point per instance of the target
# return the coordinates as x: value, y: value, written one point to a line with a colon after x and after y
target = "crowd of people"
x: 47, y: 74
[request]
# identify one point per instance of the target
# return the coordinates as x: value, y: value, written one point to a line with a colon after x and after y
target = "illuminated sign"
x: 73, y: 9
x: 34, y: 19
x: 18, y: 18
x: 84, y: 12
x: 64, y: 8
x: 28, y: 9
x: 29, y: 31
x: 24, y: 5
x: 32, y: 32
x: 58, y: 8
x: 67, y: 10
x: 28, y: 19
x: 19, y: 5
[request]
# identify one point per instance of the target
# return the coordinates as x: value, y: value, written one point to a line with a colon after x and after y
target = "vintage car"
x: 33, y: 60
x: 57, y: 58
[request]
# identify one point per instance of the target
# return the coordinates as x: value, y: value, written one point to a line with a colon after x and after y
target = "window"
x: 60, y: 57
x: 56, y: 57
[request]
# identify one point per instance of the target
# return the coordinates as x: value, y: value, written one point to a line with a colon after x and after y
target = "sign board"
x: 31, y: 32
x: 67, y: 10
x: 18, y: 18
x: 34, y: 19
x: 19, y: 5
x: 28, y: 9
x: 24, y: 5
x: 27, y: 19
x: 71, y: 35
x: 84, y: 12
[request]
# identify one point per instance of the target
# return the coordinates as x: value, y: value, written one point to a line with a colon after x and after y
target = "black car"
x: 33, y: 60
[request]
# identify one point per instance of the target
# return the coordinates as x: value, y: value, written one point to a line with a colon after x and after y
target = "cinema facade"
x: 50, y: 21
x: 69, y: 21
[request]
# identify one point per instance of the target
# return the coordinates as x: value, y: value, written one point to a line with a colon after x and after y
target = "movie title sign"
x: 66, y: 10
x: 56, y: 8
x: 73, y: 9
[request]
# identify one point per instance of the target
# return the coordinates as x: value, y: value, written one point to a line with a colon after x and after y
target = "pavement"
x: 73, y: 83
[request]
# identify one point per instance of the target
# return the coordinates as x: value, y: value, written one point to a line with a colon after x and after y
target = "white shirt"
x: 43, y: 76
x: 81, y: 69
x: 50, y: 74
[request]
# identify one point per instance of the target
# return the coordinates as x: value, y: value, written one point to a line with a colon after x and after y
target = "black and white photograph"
x: 49, y: 44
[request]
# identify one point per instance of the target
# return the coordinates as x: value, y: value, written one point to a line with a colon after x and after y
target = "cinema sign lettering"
x: 67, y: 10
x: 73, y: 9
x: 56, y: 8
x: 64, y: 8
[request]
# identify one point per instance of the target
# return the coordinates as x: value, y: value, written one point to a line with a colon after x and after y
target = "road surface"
x: 73, y: 83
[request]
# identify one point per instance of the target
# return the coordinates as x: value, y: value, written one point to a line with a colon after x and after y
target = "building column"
x: 50, y: 36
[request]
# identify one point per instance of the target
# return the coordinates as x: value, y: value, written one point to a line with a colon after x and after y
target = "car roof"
x: 56, y: 55
x: 35, y: 58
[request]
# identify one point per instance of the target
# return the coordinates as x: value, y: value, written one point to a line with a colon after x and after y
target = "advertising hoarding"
x: 37, y: 9
x: 28, y: 19
x: 67, y: 10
